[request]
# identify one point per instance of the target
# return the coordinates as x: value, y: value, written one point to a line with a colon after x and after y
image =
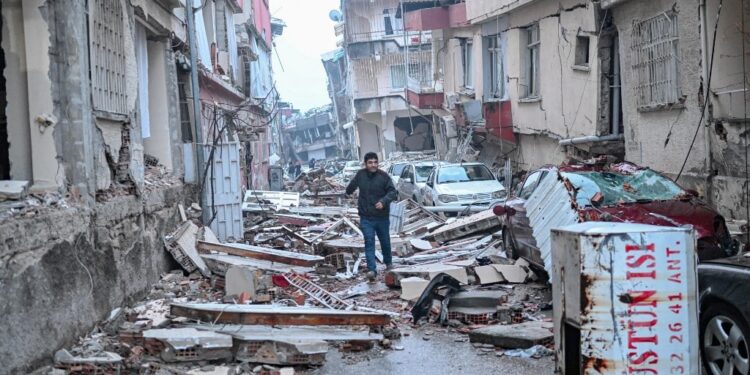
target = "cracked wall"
x: 646, y: 132
x: 63, y: 270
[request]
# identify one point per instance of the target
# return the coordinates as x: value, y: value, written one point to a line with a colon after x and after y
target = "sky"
x: 308, y: 34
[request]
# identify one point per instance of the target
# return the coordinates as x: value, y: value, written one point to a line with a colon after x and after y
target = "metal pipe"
x: 197, y: 126
x: 591, y: 139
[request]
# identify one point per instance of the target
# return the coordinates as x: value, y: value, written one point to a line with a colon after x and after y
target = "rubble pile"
x: 319, y: 188
x: 294, y: 289
x: 16, y: 201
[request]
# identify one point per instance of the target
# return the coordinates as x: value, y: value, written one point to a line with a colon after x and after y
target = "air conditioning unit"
x: 450, y: 126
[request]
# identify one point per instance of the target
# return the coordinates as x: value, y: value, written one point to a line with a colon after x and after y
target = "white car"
x: 350, y: 169
x: 462, y: 185
x: 395, y: 171
x: 413, y: 180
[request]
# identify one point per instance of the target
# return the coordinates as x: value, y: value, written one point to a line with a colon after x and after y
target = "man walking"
x: 376, y: 192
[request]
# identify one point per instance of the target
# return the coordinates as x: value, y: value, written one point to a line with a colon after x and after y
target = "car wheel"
x: 510, y: 246
x: 724, y: 341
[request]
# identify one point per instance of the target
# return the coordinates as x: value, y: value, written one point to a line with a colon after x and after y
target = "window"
x: 107, y: 55
x: 187, y: 128
x: 466, y: 60
x: 654, y: 48
x: 464, y: 173
x: 495, y: 67
x: 582, y: 51
x: 398, y: 76
x: 532, y: 61
x: 530, y: 184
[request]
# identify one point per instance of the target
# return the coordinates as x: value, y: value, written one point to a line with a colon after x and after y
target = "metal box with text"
x: 624, y: 299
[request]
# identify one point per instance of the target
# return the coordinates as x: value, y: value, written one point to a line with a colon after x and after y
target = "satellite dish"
x: 335, y: 15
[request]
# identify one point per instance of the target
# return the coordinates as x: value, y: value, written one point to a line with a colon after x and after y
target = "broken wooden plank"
x: 296, y: 235
x: 257, y: 252
x: 350, y: 224
x: 276, y: 315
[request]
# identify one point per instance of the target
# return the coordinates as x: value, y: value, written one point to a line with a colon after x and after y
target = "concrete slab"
x: 13, y: 189
x: 488, y: 275
x: 220, y: 264
x: 181, y: 244
x: 432, y: 270
x: 263, y: 253
x: 512, y: 273
x: 241, y: 279
x: 482, y: 221
x: 514, y: 336
x: 187, y: 344
x: 412, y: 288
x: 276, y: 315
x: 330, y: 334
x: 478, y: 298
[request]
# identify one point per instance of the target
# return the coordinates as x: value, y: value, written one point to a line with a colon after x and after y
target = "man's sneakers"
x: 371, y: 275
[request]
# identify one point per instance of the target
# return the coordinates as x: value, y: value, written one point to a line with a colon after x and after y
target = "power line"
x: 707, y: 92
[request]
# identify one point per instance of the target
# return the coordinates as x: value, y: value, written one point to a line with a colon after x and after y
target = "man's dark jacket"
x: 373, y: 188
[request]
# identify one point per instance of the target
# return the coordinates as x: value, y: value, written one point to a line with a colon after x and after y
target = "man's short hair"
x: 370, y: 156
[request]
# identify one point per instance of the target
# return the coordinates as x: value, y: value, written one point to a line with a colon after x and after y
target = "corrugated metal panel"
x: 397, y: 216
x: 549, y: 207
x: 630, y: 292
x: 223, y: 190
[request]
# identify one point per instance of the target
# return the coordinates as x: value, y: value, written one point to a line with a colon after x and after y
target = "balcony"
x: 437, y: 18
x: 426, y: 100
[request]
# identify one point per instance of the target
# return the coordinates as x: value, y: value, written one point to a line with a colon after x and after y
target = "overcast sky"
x: 309, y: 33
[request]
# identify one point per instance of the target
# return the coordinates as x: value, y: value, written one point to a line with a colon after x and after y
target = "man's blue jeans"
x: 370, y: 227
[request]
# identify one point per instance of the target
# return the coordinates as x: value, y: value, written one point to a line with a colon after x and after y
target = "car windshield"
x: 463, y: 173
x: 397, y: 169
x: 641, y: 186
x: 423, y: 172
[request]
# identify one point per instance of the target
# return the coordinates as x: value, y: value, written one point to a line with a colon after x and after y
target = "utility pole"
x: 197, y: 126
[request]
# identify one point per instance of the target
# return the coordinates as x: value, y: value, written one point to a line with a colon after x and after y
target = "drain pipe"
x: 197, y: 125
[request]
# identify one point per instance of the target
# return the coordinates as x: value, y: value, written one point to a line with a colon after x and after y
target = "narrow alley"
x: 280, y: 187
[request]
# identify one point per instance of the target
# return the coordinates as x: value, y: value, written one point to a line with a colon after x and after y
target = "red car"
x: 618, y: 192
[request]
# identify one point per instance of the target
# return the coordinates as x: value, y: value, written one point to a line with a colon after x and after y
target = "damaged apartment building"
x: 383, y: 60
x: 529, y: 82
x: 535, y: 82
x: 99, y: 146
x: 312, y: 136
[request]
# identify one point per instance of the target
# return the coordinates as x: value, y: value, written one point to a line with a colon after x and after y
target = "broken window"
x: 495, y: 67
x: 187, y: 128
x: 467, y: 61
x: 654, y: 48
x: 107, y: 55
x: 582, y: 51
x: 532, y: 61
x: 642, y: 186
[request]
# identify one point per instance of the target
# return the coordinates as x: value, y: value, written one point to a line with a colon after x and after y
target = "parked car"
x: 350, y: 169
x: 394, y: 170
x: 413, y: 180
x: 620, y: 192
x: 462, y: 185
x: 724, y: 285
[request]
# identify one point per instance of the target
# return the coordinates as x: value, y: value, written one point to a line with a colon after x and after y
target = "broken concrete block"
x: 13, y: 189
x: 216, y: 370
x: 523, y: 335
x: 181, y: 244
x: 187, y: 344
x: 512, y: 273
x: 239, y: 279
x: 420, y: 245
x: 488, y: 275
x: 281, y: 351
x: 412, y: 287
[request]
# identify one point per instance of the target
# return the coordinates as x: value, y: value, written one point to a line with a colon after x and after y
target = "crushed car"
x: 621, y: 192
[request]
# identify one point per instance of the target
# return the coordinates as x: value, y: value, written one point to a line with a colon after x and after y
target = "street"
x: 280, y: 187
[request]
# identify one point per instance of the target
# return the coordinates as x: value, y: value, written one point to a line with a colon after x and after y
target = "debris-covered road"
x: 292, y: 297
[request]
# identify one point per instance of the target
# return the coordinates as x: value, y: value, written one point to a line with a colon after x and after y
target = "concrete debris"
x: 11, y: 189
x: 187, y: 344
x: 181, y: 244
x: 514, y: 336
x: 294, y: 288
